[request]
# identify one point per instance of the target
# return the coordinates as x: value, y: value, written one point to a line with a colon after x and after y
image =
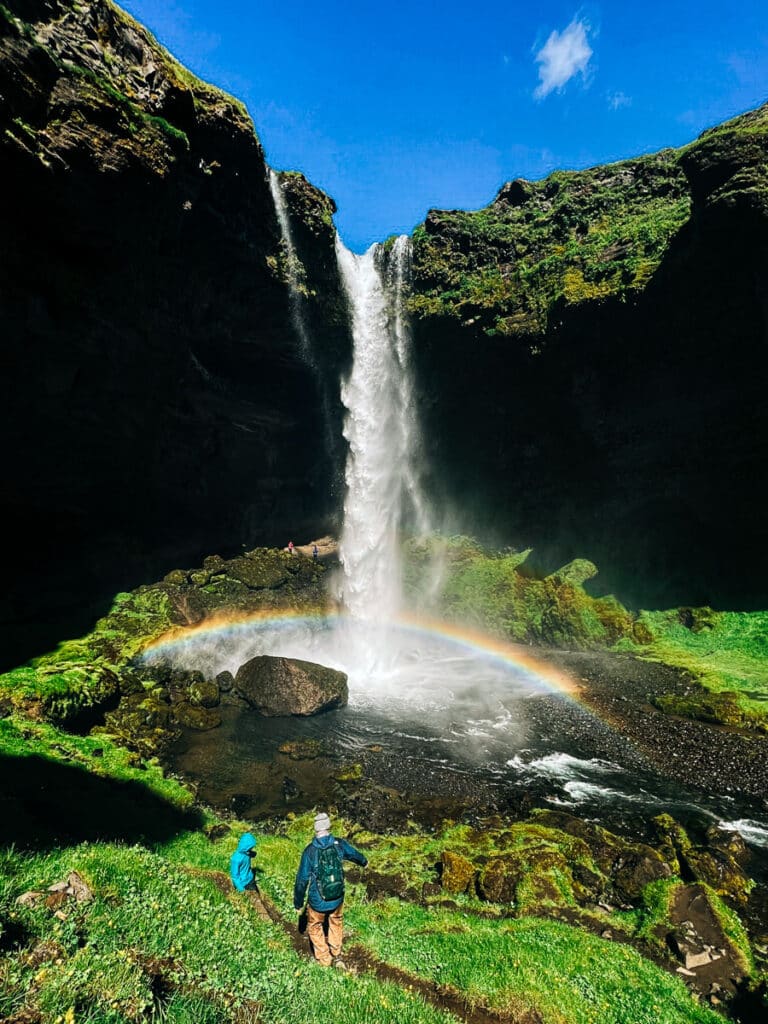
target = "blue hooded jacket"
x: 240, y: 870
x: 306, y: 873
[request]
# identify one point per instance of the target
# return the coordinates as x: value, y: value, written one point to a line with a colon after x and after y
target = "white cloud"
x: 616, y: 100
x: 564, y: 55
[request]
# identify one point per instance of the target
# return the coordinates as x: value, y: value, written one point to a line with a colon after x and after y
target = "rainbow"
x: 472, y: 641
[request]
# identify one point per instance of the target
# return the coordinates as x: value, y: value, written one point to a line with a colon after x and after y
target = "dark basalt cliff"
x: 157, y: 405
x: 591, y: 349
x: 593, y: 358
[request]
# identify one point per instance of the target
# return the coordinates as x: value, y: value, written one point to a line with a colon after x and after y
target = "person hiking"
x: 321, y: 868
x: 240, y: 870
x: 291, y: 549
x: 315, y: 553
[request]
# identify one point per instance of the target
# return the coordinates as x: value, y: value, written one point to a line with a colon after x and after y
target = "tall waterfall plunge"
x: 383, y: 491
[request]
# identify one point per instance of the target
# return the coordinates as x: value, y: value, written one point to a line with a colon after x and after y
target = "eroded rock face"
x: 288, y: 686
x: 150, y: 354
x: 582, y: 395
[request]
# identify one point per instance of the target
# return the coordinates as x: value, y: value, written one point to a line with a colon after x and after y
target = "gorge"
x: 559, y: 777
x: 592, y: 412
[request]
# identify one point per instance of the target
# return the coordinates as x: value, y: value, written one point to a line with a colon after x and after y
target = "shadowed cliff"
x: 157, y: 407
x: 593, y: 351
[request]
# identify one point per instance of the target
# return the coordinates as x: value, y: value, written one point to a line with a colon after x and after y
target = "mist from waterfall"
x: 384, y: 495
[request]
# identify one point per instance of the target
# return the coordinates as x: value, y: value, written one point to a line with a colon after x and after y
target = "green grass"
x: 727, y: 654
x: 490, y: 589
x: 216, y: 954
x: 576, y: 236
x: 98, y: 755
x: 569, y: 976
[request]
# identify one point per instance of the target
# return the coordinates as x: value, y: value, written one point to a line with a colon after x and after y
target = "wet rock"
x: 287, y: 686
x: 129, y: 684
x: 260, y: 570
x: 349, y: 773
x: 719, y: 865
x: 181, y: 682
x: 499, y: 879
x: 302, y: 750
x: 291, y: 790
x: 638, y: 868
x: 457, y: 873
x: 225, y: 681
x: 204, y: 693
x: 192, y: 717
x: 629, y: 866
x: 731, y: 843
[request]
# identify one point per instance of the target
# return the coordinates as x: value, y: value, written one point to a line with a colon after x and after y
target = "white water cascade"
x: 292, y: 265
x: 383, y: 491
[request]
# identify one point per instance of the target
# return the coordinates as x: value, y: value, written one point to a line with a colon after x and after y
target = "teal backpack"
x: 329, y: 873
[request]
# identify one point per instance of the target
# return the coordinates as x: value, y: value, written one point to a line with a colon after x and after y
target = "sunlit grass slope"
x: 567, y: 975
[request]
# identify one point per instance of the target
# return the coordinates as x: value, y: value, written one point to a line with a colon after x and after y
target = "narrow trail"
x: 360, y: 960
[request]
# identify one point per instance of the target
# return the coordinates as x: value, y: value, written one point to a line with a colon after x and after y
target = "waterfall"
x: 294, y: 270
x: 383, y: 491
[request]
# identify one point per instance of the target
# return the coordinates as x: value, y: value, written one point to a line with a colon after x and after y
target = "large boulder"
x: 287, y: 686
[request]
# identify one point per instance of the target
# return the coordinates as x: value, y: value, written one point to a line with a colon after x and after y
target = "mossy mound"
x: 83, y: 680
x: 495, y: 590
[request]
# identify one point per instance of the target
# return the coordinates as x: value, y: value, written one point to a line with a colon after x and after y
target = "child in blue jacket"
x: 240, y: 869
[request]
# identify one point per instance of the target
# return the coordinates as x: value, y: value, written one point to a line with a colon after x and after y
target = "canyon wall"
x: 156, y: 403
x: 593, y: 353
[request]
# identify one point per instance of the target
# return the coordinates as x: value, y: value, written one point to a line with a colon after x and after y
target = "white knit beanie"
x: 322, y: 824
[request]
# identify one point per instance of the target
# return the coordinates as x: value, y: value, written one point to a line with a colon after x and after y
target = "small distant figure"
x: 315, y: 553
x: 240, y: 868
x: 291, y: 549
x: 321, y: 868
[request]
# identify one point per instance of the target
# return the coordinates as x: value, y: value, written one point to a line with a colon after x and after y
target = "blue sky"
x: 397, y: 107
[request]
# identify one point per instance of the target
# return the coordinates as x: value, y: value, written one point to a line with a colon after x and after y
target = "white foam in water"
x: 754, y: 832
x: 563, y: 766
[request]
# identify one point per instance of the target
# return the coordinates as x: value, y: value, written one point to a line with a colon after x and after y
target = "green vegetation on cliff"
x: 576, y: 235
x: 725, y: 653
x: 82, y: 678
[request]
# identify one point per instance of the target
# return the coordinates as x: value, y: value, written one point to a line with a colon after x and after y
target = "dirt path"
x: 362, y: 961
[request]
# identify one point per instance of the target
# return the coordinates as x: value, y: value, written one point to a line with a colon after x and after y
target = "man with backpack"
x: 321, y: 869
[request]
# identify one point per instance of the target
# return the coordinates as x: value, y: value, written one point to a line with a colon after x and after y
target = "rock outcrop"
x: 156, y: 400
x: 592, y: 350
x: 288, y: 686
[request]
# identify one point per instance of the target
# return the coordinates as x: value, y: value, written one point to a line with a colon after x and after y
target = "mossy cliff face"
x: 157, y: 402
x: 592, y: 357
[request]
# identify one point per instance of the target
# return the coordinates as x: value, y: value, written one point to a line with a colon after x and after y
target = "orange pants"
x: 317, y: 922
